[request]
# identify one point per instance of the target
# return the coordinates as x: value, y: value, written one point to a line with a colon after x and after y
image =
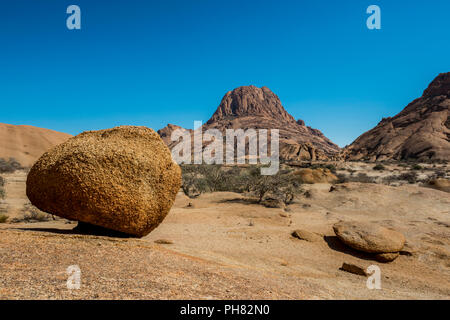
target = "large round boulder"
x: 369, y: 237
x: 123, y: 179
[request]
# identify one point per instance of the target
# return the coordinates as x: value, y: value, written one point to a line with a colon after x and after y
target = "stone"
x: 319, y: 175
x: 439, y: 184
x: 386, y: 257
x: 369, y: 237
x: 353, y: 268
x: 306, y: 235
x: 121, y: 179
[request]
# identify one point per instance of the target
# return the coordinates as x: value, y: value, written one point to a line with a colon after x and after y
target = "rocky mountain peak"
x: 251, y: 101
x: 421, y: 131
x: 440, y: 86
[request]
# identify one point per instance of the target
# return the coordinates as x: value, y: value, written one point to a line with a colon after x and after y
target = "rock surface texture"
x: 369, y: 237
x: 122, y: 179
x: 421, y: 131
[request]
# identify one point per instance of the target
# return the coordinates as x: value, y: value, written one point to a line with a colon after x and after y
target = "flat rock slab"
x: 369, y: 237
x: 353, y: 268
x: 386, y: 257
x: 306, y: 235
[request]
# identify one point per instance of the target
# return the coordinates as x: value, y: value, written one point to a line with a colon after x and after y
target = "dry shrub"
x: 198, y: 179
x: 8, y: 166
x: 3, y: 218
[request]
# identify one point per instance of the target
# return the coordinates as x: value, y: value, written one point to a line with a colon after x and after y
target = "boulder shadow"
x: 240, y: 200
x: 336, y: 244
x: 84, y: 229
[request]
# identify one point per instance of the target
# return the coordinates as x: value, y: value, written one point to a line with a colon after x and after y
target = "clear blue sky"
x: 157, y: 62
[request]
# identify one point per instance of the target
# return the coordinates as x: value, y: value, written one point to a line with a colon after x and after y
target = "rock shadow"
x: 336, y: 244
x: 240, y: 200
x: 84, y: 229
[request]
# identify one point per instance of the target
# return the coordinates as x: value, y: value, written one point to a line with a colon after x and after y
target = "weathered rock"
x: 421, y: 131
x: 353, y: 268
x: 369, y: 237
x: 319, y: 175
x: 439, y: 184
x: 122, y: 179
x: 386, y: 257
x: 306, y: 235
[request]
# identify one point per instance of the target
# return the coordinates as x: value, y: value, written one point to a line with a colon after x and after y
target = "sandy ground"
x: 16, y: 198
x: 223, y: 246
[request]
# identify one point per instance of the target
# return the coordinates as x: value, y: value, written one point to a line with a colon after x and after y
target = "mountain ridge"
x: 421, y: 131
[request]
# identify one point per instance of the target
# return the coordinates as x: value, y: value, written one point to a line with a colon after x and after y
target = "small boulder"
x: 369, y: 237
x: 353, y: 268
x: 439, y: 184
x: 306, y: 235
x: 122, y: 179
x: 386, y: 257
x: 319, y: 175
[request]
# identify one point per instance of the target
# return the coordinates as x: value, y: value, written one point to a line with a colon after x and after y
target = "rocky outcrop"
x: 250, y: 107
x: 368, y: 237
x: 421, y: 131
x: 439, y: 184
x: 384, y: 244
x: 306, y: 235
x: 121, y: 179
x: 319, y: 175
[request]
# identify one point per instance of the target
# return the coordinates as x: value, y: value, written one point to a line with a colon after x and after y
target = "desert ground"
x: 223, y: 245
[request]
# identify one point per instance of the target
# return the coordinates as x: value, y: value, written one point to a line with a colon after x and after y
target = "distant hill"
x: 27, y: 143
x: 421, y: 131
x: 250, y: 107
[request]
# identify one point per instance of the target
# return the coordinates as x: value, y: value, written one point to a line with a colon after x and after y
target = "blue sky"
x: 157, y: 62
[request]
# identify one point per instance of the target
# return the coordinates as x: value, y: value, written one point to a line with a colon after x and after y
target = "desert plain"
x: 224, y: 245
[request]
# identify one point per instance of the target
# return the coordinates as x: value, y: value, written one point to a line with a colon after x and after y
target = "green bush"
x: 416, y: 167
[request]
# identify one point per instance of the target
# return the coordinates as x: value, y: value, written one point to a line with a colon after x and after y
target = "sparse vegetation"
x: 410, y: 177
x: 3, y: 218
x: 8, y: 166
x: 198, y: 179
x: 360, y: 177
x: 379, y: 167
x: 2, y: 190
x: 416, y: 167
x: 32, y: 214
